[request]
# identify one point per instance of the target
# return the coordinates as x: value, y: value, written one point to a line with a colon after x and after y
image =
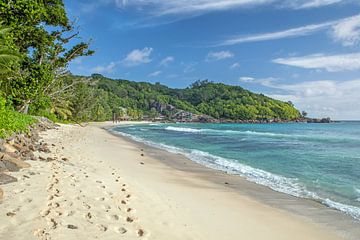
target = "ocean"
x: 316, y: 161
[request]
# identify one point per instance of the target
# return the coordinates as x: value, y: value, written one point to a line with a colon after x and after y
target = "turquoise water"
x: 318, y: 161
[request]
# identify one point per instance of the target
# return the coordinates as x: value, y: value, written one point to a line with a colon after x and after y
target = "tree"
x: 304, y: 114
x: 46, y: 53
x: 7, y: 55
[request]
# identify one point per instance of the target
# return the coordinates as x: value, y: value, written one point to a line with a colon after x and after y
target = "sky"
x: 304, y: 51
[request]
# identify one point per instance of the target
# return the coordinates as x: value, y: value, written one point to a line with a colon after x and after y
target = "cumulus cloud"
x: 167, y: 60
x: 154, y: 74
x: 331, y: 63
x: 216, y: 56
x: 138, y: 57
x: 235, y: 65
x: 246, y: 79
x: 104, y: 69
x: 323, y: 98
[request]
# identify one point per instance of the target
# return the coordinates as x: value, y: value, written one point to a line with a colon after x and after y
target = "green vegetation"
x: 203, y: 97
x: 12, y: 121
x: 37, y: 42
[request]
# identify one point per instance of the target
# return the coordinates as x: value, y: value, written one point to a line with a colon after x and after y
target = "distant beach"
x: 112, y: 187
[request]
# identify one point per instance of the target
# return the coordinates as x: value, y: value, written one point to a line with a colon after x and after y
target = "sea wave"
x: 278, y: 183
x: 316, y: 138
x: 183, y: 129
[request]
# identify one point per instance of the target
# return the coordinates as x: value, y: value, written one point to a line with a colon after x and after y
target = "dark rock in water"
x: 41, y: 158
x: 5, y: 179
x: 49, y: 159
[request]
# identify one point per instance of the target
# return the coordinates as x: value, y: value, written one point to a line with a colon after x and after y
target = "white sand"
x: 107, y: 190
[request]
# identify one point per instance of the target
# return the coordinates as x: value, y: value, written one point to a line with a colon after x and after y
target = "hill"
x: 103, y: 96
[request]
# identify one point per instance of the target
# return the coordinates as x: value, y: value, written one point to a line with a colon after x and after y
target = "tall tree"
x: 43, y: 34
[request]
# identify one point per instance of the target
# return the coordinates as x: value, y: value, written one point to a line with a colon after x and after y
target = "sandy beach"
x: 103, y: 186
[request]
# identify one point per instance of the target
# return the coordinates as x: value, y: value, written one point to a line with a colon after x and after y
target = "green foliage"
x: 41, y: 32
x: 12, y: 121
x: 203, y: 97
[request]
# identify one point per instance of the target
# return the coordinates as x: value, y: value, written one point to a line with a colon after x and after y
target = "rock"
x: 49, y: 159
x: 32, y: 148
x: 5, y: 179
x: 9, y: 148
x: 41, y: 158
x: 11, y: 163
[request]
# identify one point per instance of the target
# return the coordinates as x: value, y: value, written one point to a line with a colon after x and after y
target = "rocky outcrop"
x: 16, y: 150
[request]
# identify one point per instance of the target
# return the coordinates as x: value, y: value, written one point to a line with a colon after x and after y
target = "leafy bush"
x: 12, y: 121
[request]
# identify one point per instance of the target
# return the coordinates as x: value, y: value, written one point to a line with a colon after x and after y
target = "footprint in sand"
x: 100, y: 199
x: 45, y: 212
x: 120, y: 230
x: 113, y: 217
x: 87, y: 206
x: 129, y: 219
x: 101, y: 227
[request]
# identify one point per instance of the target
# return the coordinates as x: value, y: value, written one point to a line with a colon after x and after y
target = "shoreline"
x: 314, y: 210
x: 109, y: 187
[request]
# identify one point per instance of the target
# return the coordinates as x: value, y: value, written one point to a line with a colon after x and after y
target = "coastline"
x: 112, y: 186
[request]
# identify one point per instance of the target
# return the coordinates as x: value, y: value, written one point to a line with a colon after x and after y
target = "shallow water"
x: 318, y: 161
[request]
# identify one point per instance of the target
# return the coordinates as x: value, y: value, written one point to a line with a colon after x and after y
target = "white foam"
x: 278, y: 183
x: 182, y: 129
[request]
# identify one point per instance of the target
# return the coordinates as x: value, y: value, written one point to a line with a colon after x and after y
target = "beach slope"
x: 101, y: 186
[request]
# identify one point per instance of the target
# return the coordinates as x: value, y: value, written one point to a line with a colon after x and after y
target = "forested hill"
x: 202, y: 97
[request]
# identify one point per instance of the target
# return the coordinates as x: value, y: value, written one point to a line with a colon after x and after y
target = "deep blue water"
x: 319, y: 161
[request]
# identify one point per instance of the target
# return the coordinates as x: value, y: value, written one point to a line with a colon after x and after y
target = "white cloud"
x: 347, y: 31
x: 293, y: 32
x: 216, y: 56
x: 104, y: 69
x: 300, y: 4
x: 235, y: 65
x: 246, y: 79
x: 155, y: 74
x: 331, y: 63
x: 323, y: 98
x: 167, y: 60
x: 170, y: 7
x: 137, y: 57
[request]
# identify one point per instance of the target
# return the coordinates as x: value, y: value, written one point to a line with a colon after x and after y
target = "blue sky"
x: 305, y: 51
